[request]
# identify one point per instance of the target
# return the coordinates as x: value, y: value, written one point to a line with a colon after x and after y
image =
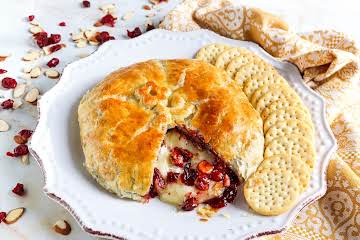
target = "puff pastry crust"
x: 124, y: 118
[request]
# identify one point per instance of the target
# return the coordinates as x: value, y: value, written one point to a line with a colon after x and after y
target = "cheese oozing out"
x: 177, y: 192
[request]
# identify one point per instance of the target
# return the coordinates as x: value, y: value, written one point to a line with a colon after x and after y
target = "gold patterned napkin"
x: 329, y: 62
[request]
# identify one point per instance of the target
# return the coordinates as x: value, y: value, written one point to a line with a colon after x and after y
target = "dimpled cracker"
x: 299, y: 169
x: 227, y: 55
x: 271, y: 192
x: 286, y: 114
x: 283, y: 103
x: 298, y: 146
x: 261, y: 91
x: 236, y: 63
x: 255, y: 67
x: 288, y: 127
x: 258, y: 80
x: 278, y: 91
x: 210, y: 52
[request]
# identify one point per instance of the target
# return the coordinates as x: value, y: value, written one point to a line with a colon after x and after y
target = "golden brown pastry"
x: 124, y: 119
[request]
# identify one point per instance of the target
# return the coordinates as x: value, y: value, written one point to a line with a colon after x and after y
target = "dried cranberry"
x: 219, y: 165
x: 233, y: 177
x: 53, y: 62
x: 86, y: 4
x: 150, y: 27
x: 54, y: 38
x: 135, y: 33
x: 19, y: 189
x: 190, y: 204
x: 7, y: 104
x: 55, y: 48
x: 21, y: 150
x: 62, y: 24
x: 189, y: 175
x: 229, y: 193
x: 103, y: 37
x: 2, y: 216
x: 2, y: 71
x: 217, y: 175
x: 31, y: 17
x: 20, y: 140
x: 8, y: 83
x: 202, y: 182
x: 179, y: 156
x: 172, y: 177
x: 108, y: 20
x: 217, y: 202
x: 25, y: 133
x: 42, y: 39
x: 158, y: 180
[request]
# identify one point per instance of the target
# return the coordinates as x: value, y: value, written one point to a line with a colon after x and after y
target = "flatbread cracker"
x: 210, y: 52
x: 286, y: 114
x: 258, y: 80
x: 236, y: 63
x: 300, y: 170
x: 254, y: 67
x: 227, y: 55
x: 288, y: 127
x: 295, y: 145
x: 279, y: 91
x: 271, y: 192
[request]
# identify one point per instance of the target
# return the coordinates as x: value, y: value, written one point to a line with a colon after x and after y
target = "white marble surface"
x: 304, y: 15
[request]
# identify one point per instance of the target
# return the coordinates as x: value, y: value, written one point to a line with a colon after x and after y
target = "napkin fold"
x: 329, y: 62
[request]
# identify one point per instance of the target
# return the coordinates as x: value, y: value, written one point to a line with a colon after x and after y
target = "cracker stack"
x: 289, y: 155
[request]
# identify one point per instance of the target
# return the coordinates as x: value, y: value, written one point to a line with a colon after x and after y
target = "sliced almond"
x: 89, y: 33
x: 93, y: 43
x: 128, y: 15
x: 19, y: 90
x: 107, y: 8
x: 52, y: 73
x: 25, y: 159
x: 27, y: 69
x: 83, y: 55
x: 31, y: 56
x: 62, y: 227
x: 35, y: 72
x: 26, y: 76
x: 3, y: 58
x: 14, y: 215
x: 4, y: 126
x: 17, y: 103
x: 35, y: 22
x: 77, y: 36
x: 35, y: 29
x: 81, y: 43
x: 47, y: 49
x: 32, y: 95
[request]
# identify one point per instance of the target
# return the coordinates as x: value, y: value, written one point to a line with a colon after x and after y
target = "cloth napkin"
x: 329, y: 62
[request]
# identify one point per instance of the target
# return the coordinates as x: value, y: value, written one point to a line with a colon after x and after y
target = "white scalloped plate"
x: 56, y: 146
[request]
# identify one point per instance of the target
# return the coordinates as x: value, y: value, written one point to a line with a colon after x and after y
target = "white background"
x: 302, y: 15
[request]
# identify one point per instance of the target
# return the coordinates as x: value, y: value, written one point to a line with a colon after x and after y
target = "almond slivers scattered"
x: 31, y: 56
x: 35, y: 72
x: 4, y: 126
x: 19, y: 90
x: 62, y: 227
x: 14, y: 215
x: 51, y: 73
x: 32, y: 95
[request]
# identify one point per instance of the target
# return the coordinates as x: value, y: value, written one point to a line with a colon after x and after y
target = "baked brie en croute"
x: 180, y: 129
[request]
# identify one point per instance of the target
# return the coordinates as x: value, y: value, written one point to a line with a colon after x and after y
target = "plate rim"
x: 205, y: 34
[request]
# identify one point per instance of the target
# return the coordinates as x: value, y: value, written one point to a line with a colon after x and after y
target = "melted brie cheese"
x: 175, y: 193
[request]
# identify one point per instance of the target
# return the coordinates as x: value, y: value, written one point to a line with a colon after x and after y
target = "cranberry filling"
x: 179, y: 156
x: 190, y: 204
x: 202, y: 182
x: 172, y: 177
x: 158, y: 184
x: 189, y: 175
